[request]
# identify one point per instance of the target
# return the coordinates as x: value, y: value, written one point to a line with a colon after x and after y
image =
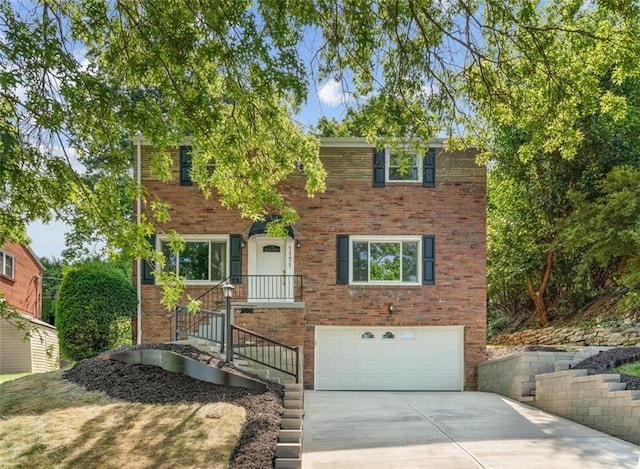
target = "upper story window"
x: 403, y: 168
x: 7, y: 263
x: 186, y: 165
x: 389, y: 167
x: 385, y: 260
x: 203, y: 260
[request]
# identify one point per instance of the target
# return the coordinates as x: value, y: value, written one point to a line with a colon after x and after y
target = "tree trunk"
x: 537, y: 296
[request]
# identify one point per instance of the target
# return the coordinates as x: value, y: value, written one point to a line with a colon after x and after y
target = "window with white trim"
x: 404, y: 168
x: 376, y: 260
x: 7, y: 264
x: 203, y: 260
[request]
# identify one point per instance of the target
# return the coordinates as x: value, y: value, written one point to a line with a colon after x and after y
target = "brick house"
x: 21, y: 286
x: 381, y: 281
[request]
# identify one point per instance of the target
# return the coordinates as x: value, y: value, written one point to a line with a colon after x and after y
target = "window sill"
x: 6, y: 279
x: 385, y: 285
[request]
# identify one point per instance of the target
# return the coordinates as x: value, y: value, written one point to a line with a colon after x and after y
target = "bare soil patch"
x: 605, y: 362
x: 153, y: 385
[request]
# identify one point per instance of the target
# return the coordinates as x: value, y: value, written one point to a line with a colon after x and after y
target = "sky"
x: 328, y: 99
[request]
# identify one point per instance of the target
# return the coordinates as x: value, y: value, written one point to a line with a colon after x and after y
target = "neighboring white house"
x: 27, y: 344
x: 36, y: 352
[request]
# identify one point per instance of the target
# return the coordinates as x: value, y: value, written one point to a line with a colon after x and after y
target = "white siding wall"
x: 37, y: 355
x: 44, y: 350
x: 15, y: 353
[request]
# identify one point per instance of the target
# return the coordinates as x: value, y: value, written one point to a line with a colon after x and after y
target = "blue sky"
x: 325, y: 99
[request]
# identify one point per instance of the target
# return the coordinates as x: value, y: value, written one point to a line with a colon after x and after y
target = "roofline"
x: 34, y: 256
x: 39, y: 322
x: 325, y: 142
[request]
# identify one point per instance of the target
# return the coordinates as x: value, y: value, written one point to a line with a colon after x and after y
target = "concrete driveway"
x: 387, y: 430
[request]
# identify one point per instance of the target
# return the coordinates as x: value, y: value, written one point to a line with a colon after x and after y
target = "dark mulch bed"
x: 153, y: 385
x: 605, y: 362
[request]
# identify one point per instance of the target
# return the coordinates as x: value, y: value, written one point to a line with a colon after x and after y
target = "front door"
x: 268, y: 270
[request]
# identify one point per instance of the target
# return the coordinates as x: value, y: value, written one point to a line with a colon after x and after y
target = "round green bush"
x: 94, y: 301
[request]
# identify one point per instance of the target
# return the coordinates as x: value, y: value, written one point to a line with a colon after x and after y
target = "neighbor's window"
x: 6, y: 264
x: 404, y: 168
x: 201, y: 260
x: 385, y: 261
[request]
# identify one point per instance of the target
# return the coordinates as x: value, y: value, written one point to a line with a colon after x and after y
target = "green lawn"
x: 632, y: 369
x: 49, y: 422
x: 5, y: 378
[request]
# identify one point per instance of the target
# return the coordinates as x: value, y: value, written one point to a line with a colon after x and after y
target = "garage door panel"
x: 410, y: 358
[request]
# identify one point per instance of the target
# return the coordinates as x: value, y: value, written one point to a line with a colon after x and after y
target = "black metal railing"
x: 267, y: 352
x: 209, y: 321
x: 202, y: 324
x: 255, y: 288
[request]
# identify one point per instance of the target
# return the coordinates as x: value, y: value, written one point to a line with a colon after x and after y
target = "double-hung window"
x: 395, y: 167
x: 186, y: 166
x: 7, y: 263
x: 385, y: 260
x: 203, y: 260
x: 404, y: 168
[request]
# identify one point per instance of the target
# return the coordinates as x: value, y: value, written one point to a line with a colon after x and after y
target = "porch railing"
x: 209, y: 321
x: 202, y: 324
x: 247, y: 289
x: 267, y: 352
x: 255, y: 289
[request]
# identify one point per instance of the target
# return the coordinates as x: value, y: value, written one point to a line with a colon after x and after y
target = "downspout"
x: 138, y: 140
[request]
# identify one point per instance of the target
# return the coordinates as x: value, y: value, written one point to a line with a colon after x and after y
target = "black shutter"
x: 342, y: 259
x: 148, y: 278
x: 428, y: 260
x: 429, y: 169
x: 185, y: 166
x: 378, y: 168
x: 235, y: 258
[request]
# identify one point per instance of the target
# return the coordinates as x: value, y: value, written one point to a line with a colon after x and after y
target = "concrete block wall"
x: 515, y: 376
x: 597, y: 401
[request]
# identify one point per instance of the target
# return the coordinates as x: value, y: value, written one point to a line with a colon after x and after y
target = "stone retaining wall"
x: 607, y: 337
x: 597, y: 401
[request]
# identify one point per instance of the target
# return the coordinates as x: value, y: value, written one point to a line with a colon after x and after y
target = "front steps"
x: 249, y: 367
x: 289, y: 448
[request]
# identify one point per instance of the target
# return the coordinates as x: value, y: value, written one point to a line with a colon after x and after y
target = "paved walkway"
x: 442, y: 430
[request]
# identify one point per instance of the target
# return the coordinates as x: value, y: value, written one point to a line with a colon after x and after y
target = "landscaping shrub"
x: 94, y: 301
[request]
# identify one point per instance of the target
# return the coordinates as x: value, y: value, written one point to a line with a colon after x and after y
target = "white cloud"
x: 333, y: 94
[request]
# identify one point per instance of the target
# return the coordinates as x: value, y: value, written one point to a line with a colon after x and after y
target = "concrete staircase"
x: 289, y: 447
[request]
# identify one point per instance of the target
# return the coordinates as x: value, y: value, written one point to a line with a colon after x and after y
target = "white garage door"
x: 389, y: 358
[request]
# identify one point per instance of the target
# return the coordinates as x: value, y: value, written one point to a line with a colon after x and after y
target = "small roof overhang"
x: 260, y: 227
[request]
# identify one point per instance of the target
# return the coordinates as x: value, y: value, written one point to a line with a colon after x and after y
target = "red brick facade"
x: 453, y: 211
x: 24, y: 290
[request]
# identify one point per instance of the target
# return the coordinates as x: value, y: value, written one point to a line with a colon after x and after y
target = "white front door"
x: 269, y: 260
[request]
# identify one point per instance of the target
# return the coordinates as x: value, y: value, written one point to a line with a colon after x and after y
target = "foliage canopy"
x: 81, y: 78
